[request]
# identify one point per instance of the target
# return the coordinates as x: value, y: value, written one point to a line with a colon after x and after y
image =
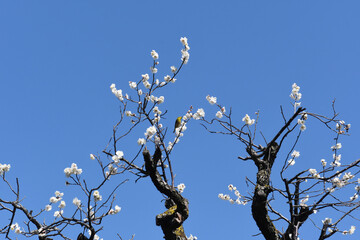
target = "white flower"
x: 327, y: 221
x: 181, y: 187
x: 140, y: 92
x: 337, y: 146
x: 92, y: 157
x: 154, y: 55
x: 352, y: 230
x: 295, y: 154
x: 173, y: 69
x: 117, y: 209
x: 199, y: 114
x: 48, y: 208
x: 128, y: 113
x: 354, y: 197
x: 291, y: 162
x: 97, y: 196
x: 185, y: 55
x: 295, y: 93
x: 145, y: 77
x: 323, y: 162
x: 247, y: 120
x: 59, y: 194
x: 304, y: 200
x: 219, y: 114
x: 141, y: 141
x: 54, y: 200
x: 4, y: 168
x: 153, y: 70
x: 160, y: 99
x: 77, y: 202
x: 62, y: 204
x: 167, y: 78
x: 184, y: 40
x: 303, y: 127
x: 112, y: 86
x: 58, y: 213
x: 147, y: 84
x: 211, y: 100
x: 191, y: 237
x: 150, y: 131
x: 132, y: 85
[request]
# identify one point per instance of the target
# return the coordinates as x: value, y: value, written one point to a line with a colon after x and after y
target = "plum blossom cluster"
x: 97, y: 196
x: 340, y: 125
x: 248, y: 121
x: 294, y: 154
x: 227, y: 197
x: 117, y: 92
x: 200, y: 113
x: 336, y: 156
x: 116, y: 210
x: 16, y: 228
x: 72, y: 170
x: 58, y: 197
x: 314, y: 173
x: 301, y: 122
x: 191, y: 237
x: 118, y: 155
x: 211, y: 100
x: 338, y: 182
x: 181, y: 187
x: 185, y: 52
x: 296, y: 95
x: 4, y: 168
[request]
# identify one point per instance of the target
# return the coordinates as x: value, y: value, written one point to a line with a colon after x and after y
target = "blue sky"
x: 58, y: 59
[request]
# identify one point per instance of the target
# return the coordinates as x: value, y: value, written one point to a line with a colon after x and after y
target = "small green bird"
x: 177, y: 123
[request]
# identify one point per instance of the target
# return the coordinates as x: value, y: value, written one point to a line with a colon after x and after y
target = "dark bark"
x: 178, y: 211
x: 262, y: 190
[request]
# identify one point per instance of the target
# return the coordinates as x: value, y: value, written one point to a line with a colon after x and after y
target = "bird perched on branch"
x: 177, y: 123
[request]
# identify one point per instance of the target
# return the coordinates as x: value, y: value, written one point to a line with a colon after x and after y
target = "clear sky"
x: 58, y: 59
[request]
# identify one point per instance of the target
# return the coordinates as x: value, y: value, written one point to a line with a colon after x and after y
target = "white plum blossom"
x: 97, y: 196
x: 118, y: 155
x: 132, y: 85
x: 327, y: 221
x: 248, y: 120
x: 304, y: 200
x: 62, y: 204
x: 48, y: 208
x: 295, y: 92
x: 16, y: 228
x: 295, y: 154
x: 314, y: 173
x: 167, y: 78
x: 117, y: 209
x: 140, y: 92
x: 4, y: 168
x: 219, y: 114
x: 153, y: 70
x: 128, y: 113
x: 191, y: 237
x: 173, y: 69
x: 117, y: 93
x: 181, y: 187
x: 160, y: 99
x: 354, y: 197
x: 184, y: 40
x: 145, y: 77
x: 154, y: 55
x: 77, y: 202
x: 211, y: 100
x: 336, y: 146
x: 58, y: 214
x: 199, y: 114
x: 150, y: 131
x: 141, y: 141
x: 92, y: 156
x: 323, y: 162
x: 185, y: 55
x: 72, y: 170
